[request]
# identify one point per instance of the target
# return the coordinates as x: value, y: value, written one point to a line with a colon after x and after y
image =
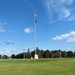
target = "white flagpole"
x: 36, y: 56
x: 35, y: 31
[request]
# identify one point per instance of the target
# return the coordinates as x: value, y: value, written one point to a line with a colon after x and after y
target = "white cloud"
x: 65, y: 13
x: 8, y: 42
x: 68, y: 48
x: 71, y: 40
x: 68, y: 2
x: 28, y: 30
x: 60, y: 10
x: 69, y: 37
x: 2, y: 23
x: 72, y: 18
x: 2, y: 29
x: 9, y: 50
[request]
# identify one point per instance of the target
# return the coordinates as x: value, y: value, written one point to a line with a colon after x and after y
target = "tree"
x: 28, y: 53
x: 20, y: 55
x: 42, y: 53
x: 60, y: 53
x: 47, y: 54
x: 52, y: 54
x: 0, y: 56
x: 57, y: 53
x: 74, y: 53
x: 32, y: 53
x: 70, y: 54
x: 64, y: 54
x: 13, y: 56
x: 4, y: 56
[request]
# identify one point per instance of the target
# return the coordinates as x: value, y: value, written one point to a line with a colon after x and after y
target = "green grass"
x: 63, y: 66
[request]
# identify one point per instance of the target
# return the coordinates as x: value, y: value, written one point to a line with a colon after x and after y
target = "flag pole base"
x: 36, y: 56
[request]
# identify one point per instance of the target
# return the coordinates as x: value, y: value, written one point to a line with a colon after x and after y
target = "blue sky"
x: 55, y: 28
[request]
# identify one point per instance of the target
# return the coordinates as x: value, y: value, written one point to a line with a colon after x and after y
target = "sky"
x: 55, y: 26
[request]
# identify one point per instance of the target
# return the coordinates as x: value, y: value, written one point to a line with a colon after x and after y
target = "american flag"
x: 35, y: 13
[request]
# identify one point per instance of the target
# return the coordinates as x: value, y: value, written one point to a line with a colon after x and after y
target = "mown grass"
x: 61, y: 66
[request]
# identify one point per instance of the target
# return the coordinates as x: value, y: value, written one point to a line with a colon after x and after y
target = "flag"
x: 35, y: 20
x: 35, y: 15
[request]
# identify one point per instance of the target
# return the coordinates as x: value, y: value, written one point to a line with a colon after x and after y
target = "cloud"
x: 2, y: 23
x: 28, y: 30
x: 65, y: 13
x: 72, y: 18
x: 1, y: 43
x: 68, y: 48
x: 8, y: 42
x: 60, y: 10
x: 29, y: 4
x: 69, y: 37
x: 2, y: 29
x: 68, y: 2
x: 9, y: 50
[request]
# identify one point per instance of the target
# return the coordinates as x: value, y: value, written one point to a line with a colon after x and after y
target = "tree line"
x: 45, y: 54
x: 42, y: 54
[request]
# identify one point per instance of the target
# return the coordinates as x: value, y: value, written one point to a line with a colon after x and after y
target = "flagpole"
x: 35, y: 31
x: 36, y: 56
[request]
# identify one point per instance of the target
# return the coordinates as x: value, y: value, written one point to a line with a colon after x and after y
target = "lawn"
x: 59, y: 66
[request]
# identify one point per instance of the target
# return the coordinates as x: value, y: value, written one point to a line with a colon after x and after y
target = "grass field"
x: 38, y: 67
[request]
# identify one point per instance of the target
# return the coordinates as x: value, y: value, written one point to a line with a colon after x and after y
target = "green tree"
x: 74, y: 53
x: 70, y: 54
x: 58, y: 53
x: 47, y: 54
x: 4, y: 56
x: 0, y: 56
x: 52, y: 54
x: 32, y: 53
x: 42, y: 53
x: 64, y: 54
x: 28, y: 53
x: 13, y: 56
